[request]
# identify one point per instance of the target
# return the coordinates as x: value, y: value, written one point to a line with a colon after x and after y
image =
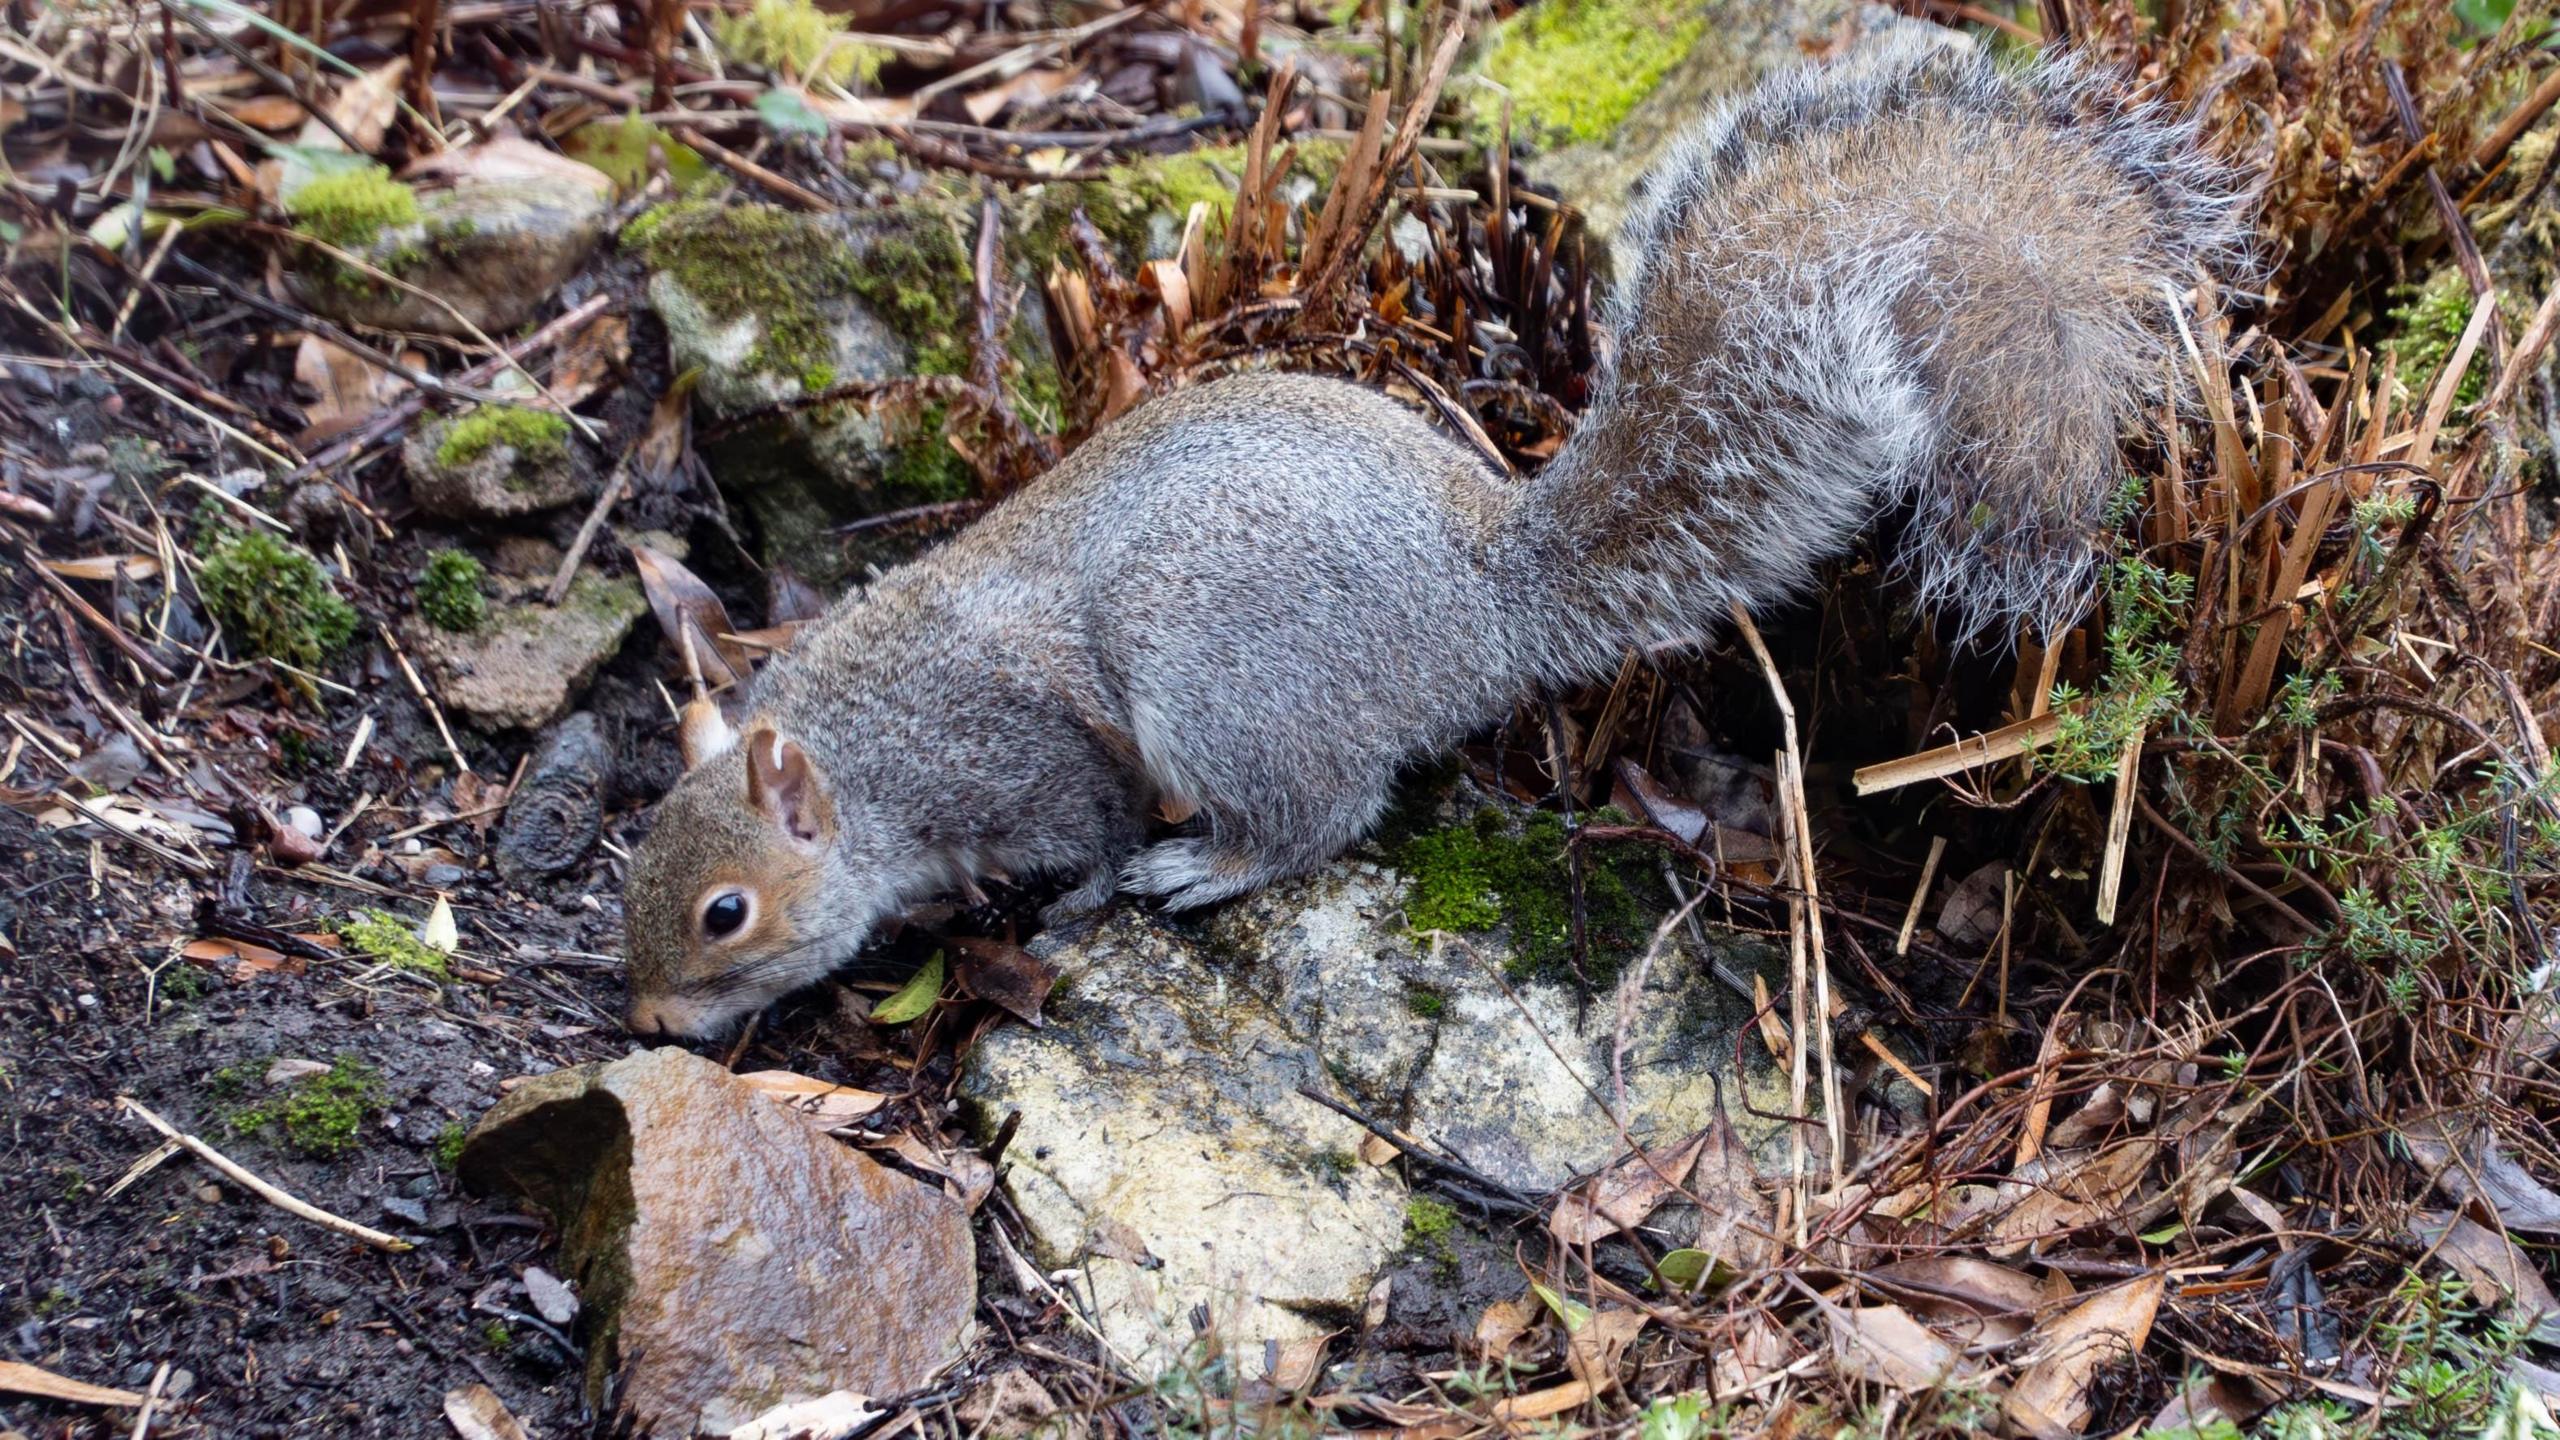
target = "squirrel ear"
x: 784, y: 785
x: 702, y: 731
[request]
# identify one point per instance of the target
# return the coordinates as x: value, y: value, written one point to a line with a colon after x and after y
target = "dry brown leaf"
x: 1298, y: 1364
x: 2497, y: 1268
x: 592, y: 357
x: 103, y: 567
x: 1621, y: 1196
x: 1540, y: 1404
x: 2050, y: 1399
x: 1594, y: 1350
x: 828, y: 1105
x: 1504, y: 1322
x: 1888, y: 1345
x: 1736, y: 1224
x: 1999, y: 1303
x: 364, y: 109
x: 2069, y: 1190
x: 17, y: 1378
x: 508, y: 158
x: 1759, y: 1349
x: 2469, y: 1163
x: 350, y: 388
x: 679, y: 599
x: 269, y: 112
x: 476, y: 1413
x: 1006, y: 976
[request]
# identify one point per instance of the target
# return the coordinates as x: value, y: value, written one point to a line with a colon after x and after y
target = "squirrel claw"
x: 1192, y: 872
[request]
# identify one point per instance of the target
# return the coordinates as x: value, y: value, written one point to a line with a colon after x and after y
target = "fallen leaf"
x: 1503, y: 1323
x: 2066, y: 1191
x: 678, y: 598
x: 349, y: 388
x: 1296, y: 1365
x: 1540, y: 1404
x: 103, y: 567
x: 829, y: 1105
x: 2487, y: 1171
x: 17, y: 1378
x: 829, y: 1417
x: 592, y: 357
x: 439, y: 933
x: 1736, y: 1224
x: 913, y: 998
x: 1888, y: 1345
x: 364, y: 109
x: 552, y: 1298
x: 269, y: 112
x: 1622, y: 1196
x: 1006, y: 976
x: 2003, y: 1303
x: 1970, y: 915
x: 476, y: 1413
x: 1594, y: 1350
x: 1659, y: 805
x: 2498, y: 1269
x: 507, y: 157
x: 2050, y: 1399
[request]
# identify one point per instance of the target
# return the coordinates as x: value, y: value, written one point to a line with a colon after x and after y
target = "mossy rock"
x: 492, y: 242
x: 528, y: 661
x: 496, y: 461
x: 771, y: 305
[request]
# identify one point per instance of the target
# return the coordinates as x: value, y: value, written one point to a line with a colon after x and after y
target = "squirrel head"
x: 751, y: 884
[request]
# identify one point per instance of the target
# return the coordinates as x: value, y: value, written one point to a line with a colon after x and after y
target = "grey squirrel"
x: 1904, y: 278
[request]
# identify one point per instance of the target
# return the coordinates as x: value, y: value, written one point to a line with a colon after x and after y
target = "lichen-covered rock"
x: 771, y: 305
x: 730, y: 1257
x: 1164, y: 1144
x: 1602, y: 87
x: 492, y: 231
x: 1165, y: 1149
x: 527, y: 661
x: 496, y: 461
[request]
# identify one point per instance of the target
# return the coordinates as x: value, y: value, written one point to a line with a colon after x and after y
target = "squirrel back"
x: 1906, y: 279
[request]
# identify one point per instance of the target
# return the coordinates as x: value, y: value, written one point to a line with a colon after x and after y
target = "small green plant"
x: 2445, y: 1358
x: 2140, y: 684
x: 535, y: 435
x: 383, y: 936
x: 1425, y: 1002
x: 274, y: 597
x: 796, y: 39
x: 497, y: 1336
x: 449, y: 1146
x: 1485, y: 873
x: 449, y: 591
x: 318, y: 1115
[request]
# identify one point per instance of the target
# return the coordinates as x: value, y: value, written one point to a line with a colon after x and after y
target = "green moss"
x: 274, y: 597
x: 1575, y: 68
x: 926, y: 470
x: 349, y: 208
x: 381, y: 935
x: 496, y: 1335
x: 535, y: 435
x: 1425, y: 1002
x: 736, y: 261
x: 913, y: 277
x: 449, y: 1140
x: 1427, y: 1221
x: 1486, y: 874
x: 2430, y: 322
x: 319, y: 1115
x: 449, y: 591
x: 817, y: 378
x: 796, y: 38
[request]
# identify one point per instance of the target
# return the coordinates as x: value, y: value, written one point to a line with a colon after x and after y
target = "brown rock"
x: 730, y: 1257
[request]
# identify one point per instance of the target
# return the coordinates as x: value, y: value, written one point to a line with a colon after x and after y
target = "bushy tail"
x: 1905, y: 278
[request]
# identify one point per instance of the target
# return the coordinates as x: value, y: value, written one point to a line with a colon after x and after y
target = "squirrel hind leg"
x: 1239, y: 856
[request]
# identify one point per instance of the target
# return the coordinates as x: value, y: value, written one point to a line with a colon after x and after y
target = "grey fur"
x: 1262, y: 596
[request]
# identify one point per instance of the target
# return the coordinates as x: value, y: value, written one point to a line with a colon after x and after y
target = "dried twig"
x: 263, y: 1190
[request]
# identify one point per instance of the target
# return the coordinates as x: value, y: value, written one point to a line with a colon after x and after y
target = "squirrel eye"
x: 726, y: 912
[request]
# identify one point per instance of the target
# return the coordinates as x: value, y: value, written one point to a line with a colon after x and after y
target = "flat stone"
x: 528, y: 661
x: 553, y: 816
x: 729, y: 1257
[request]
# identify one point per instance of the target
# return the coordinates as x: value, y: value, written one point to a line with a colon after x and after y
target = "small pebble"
x: 306, y: 820
x: 209, y: 1194
x: 403, y: 1208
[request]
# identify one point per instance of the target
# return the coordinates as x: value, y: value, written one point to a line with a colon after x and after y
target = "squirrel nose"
x: 644, y: 1022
